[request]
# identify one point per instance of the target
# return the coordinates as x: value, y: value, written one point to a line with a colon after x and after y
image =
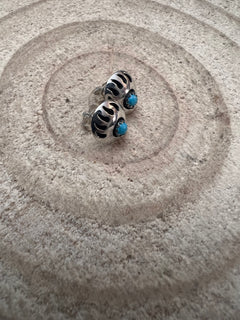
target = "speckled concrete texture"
x: 144, y: 228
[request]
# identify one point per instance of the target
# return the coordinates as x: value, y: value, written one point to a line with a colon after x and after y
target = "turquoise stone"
x: 132, y: 100
x: 122, y: 129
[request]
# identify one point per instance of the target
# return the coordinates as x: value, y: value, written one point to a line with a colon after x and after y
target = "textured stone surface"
x: 148, y: 227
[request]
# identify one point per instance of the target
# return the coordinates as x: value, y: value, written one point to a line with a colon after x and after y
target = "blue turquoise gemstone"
x: 122, y: 128
x: 132, y: 100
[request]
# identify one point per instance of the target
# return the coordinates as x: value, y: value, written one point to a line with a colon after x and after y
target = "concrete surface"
x: 147, y: 227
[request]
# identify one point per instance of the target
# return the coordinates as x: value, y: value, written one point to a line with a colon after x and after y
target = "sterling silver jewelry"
x: 120, y: 87
x: 107, y: 121
x: 108, y: 105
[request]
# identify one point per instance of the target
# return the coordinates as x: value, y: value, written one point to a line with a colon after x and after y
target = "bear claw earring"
x: 120, y: 87
x: 107, y: 121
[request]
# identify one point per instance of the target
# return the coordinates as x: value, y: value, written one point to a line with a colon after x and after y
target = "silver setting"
x: 103, y: 121
x: 118, y: 88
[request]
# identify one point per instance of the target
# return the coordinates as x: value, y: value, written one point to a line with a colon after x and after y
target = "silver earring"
x: 120, y: 87
x: 107, y: 122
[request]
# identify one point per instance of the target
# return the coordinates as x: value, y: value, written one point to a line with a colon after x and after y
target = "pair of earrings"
x: 108, y: 106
